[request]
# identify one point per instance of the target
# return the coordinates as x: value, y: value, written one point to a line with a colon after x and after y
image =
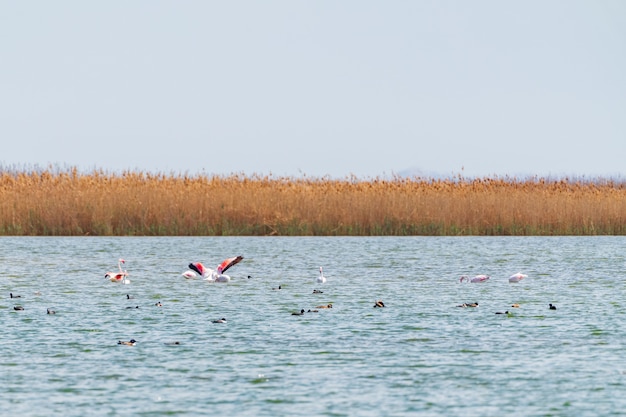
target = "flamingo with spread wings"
x: 213, y: 275
x: 121, y: 276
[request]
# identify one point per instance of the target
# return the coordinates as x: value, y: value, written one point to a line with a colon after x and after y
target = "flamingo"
x: 477, y: 278
x: 321, y: 279
x: 217, y: 274
x: 190, y: 274
x: 121, y: 276
x: 517, y: 277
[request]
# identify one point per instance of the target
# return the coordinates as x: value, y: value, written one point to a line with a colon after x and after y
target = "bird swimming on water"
x: 121, y: 276
x: 321, y: 279
x: 552, y: 306
x: 468, y: 305
x: 517, y: 277
x: 476, y: 279
x: 131, y: 342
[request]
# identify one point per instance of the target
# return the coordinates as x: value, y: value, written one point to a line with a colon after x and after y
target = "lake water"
x: 420, y: 355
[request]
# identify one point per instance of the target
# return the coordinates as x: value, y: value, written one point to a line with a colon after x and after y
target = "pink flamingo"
x: 517, y: 277
x: 121, y: 276
x: 477, y: 278
x: 213, y: 275
x: 190, y: 274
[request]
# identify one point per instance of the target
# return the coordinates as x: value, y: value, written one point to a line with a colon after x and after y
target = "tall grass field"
x: 70, y: 203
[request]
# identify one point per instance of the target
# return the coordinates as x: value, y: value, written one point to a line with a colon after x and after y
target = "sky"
x: 326, y: 88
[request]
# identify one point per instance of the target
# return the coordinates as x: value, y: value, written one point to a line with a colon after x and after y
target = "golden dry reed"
x: 48, y: 203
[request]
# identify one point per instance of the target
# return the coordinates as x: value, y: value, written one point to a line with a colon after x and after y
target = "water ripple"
x: 418, y: 355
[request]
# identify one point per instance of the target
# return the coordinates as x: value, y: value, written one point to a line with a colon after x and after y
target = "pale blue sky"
x: 338, y: 88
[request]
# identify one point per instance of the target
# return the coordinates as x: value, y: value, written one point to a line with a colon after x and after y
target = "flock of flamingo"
x: 482, y: 278
x: 195, y: 270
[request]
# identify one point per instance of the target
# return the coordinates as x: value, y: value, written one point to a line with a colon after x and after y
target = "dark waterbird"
x: 464, y: 305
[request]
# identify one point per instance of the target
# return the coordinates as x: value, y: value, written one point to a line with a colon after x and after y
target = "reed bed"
x: 69, y: 203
